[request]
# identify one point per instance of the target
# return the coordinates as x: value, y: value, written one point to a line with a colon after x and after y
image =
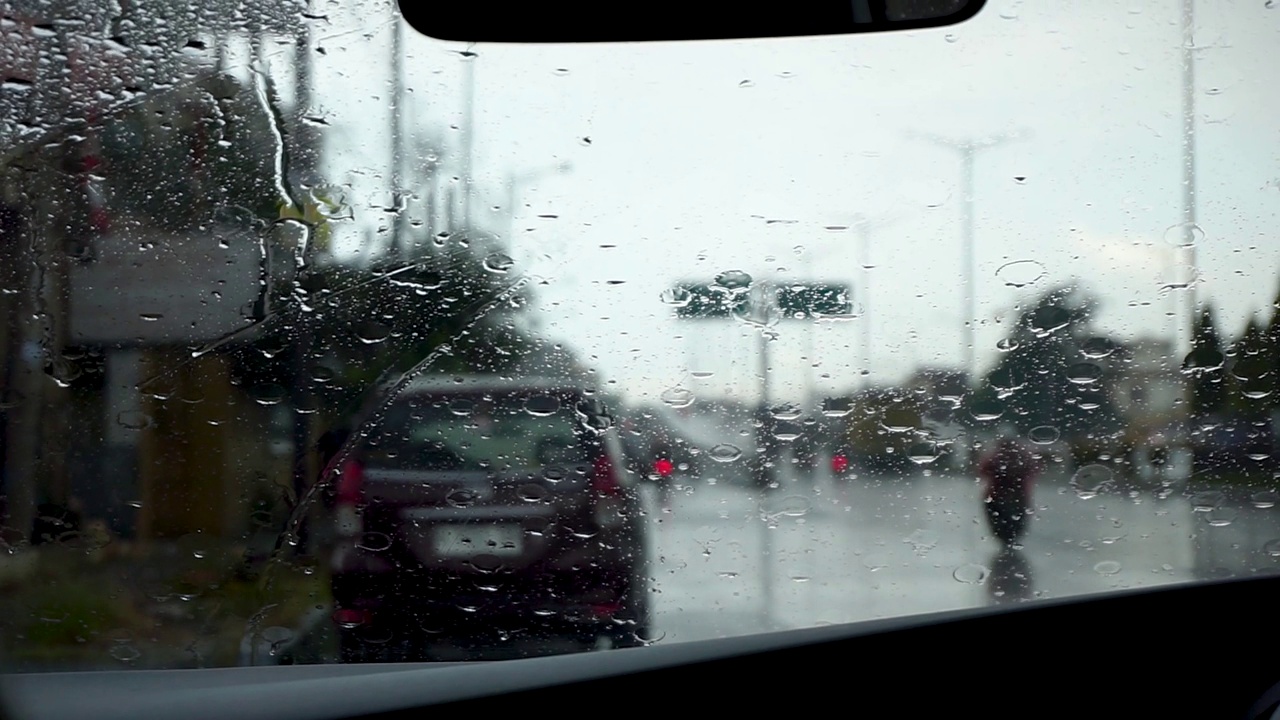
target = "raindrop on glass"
x: 498, y: 263
x: 371, y: 332
x: 987, y: 410
x: 1184, y: 235
x: 676, y: 297
x: 1084, y: 373
x: 1264, y: 499
x: 1048, y: 320
x: 1020, y: 273
x: 1043, y: 435
x: 1097, y: 347
x: 541, y: 405
x: 374, y: 542
x: 1107, y: 567
x: 677, y: 397
x: 133, y: 420
x: 531, y: 492
x: 923, y: 453
x: 971, y: 573
x: 786, y: 411
x: 733, y: 280
x: 268, y: 393
x: 724, y: 453
x: 1091, y: 480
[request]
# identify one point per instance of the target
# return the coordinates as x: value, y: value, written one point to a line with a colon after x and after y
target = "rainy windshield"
x: 326, y: 342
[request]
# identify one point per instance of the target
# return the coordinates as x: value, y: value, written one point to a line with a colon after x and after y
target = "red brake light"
x: 604, y: 477
x: 351, y: 484
x: 663, y: 467
x: 350, y: 617
x: 839, y: 463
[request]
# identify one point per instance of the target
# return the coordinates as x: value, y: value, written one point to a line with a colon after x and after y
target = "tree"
x: 1044, y: 379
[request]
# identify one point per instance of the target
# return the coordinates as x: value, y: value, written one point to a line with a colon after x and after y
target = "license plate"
x: 468, y: 541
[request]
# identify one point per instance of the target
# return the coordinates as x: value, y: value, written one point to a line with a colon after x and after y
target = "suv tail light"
x: 663, y: 467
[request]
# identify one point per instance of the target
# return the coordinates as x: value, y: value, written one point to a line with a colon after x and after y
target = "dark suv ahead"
x: 489, y: 512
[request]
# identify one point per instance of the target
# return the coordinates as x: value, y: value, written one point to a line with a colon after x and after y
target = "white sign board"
x: 151, y: 288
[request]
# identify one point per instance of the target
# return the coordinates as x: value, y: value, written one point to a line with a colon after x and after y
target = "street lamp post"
x: 968, y: 150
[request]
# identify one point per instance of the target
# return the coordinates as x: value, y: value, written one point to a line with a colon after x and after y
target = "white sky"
x: 685, y: 164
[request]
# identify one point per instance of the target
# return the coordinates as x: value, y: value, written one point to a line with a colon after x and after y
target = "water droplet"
x: 462, y: 407
x: 124, y: 653
x: 923, y: 453
x: 1043, y: 435
x: 1203, y: 502
x: 733, y: 280
x: 724, y: 453
x: 1220, y: 516
x: 1048, y: 320
x: 789, y: 506
x: 531, y: 492
x: 133, y: 420
x: 322, y: 374
x: 561, y: 72
x: 1007, y: 380
x: 1272, y: 547
x: 971, y: 573
x: 1265, y: 499
x: 648, y: 637
x: 268, y: 393
x: 951, y: 38
x: 498, y: 263
x: 151, y: 317
x: 1091, y: 480
x: 677, y: 397
x: 1202, y: 360
x: 1107, y: 567
x: 461, y: 498
x: 374, y: 542
x: 986, y: 410
x: 371, y: 332
x: 1184, y: 235
x: 1007, y: 345
x: 1084, y: 373
x: 1098, y: 347
x: 786, y: 411
x: 541, y: 405
x: 837, y: 407
x: 676, y: 297
x: 1020, y: 273
x: 787, y: 431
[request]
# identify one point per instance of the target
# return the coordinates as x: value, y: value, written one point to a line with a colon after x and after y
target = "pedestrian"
x: 1008, y: 473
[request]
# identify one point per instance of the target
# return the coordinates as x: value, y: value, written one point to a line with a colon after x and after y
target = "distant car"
x: 492, y: 508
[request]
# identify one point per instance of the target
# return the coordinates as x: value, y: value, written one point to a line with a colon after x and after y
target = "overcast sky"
x: 682, y: 152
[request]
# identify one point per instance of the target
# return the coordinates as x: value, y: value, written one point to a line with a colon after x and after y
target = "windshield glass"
x: 324, y: 341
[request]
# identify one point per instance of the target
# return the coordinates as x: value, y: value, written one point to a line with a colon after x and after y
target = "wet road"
x: 730, y: 561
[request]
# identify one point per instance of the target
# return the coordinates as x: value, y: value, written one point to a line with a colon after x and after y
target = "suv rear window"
x: 511, y: 432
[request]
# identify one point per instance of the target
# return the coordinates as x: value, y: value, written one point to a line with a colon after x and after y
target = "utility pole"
x: 398, y: 243
x: 1189, y: 164
x: 468, y: 130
